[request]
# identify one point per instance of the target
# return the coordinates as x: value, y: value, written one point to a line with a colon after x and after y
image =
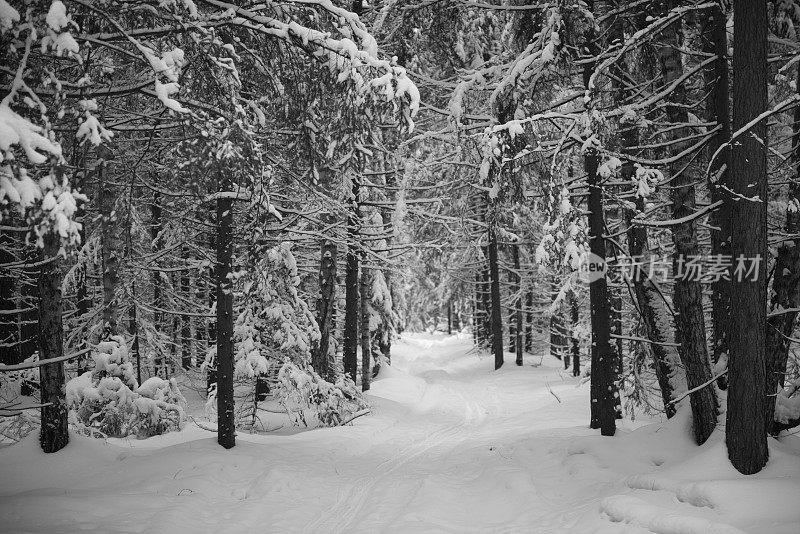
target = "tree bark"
x: 602, y: 390
x: 529, y: 321
x: 366, y: 341
x: 518, y: 334
x: 9, y: 321
x: 746, y: 425
x: 326, y: 305
x: 155, y: 244
x: 688, y: 291
x: 576, y: 344
x: 449, y: 317
x: 211, y: 369
x: 350, y: 344
x: 109, y: 246
x: 555, y: 321
x: 497, y: 311
x: 186, y: 339
x: 133, y: 326
x: 715, y: 41
x: 656, y: 318
x: 785, y: 287
x: 226, y: 425
x: 54, y: 435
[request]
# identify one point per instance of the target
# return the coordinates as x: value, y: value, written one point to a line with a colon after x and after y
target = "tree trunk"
x: 517, y: 305
x: 688, y: 291
x: 226, y: 431
x: 529, y: 322
x: 211, y: 368
x: 602, y: 390
x: 54, y: 435
x: 555, y: 321
x: 656, y: 318
x: 715, y: 41
x: 350, y: 345
x: 9, y: 320
x: 186, y: 338
x: 84, y: 302
x: 476, y: 310
x: 366, y: 341
x: 512, y: 322
x: 746, y: 425
x: 497, y: 311
x: 576, y: 344
x: 449, y: 317
x: 133, y: 326
x: 326, y: 305
x: 785, y: 286
x: 108, y: 245
x: 155, y: 237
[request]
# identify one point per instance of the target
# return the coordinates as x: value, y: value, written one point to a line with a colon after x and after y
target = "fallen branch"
x: 552, y: 392
x: 355, y: 416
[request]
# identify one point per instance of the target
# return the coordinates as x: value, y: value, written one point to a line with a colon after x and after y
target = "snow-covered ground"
x: 450, y: 446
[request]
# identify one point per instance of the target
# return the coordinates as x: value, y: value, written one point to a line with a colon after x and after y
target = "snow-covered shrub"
x: 15, y: 421
x: 274, y: 334
x: 159, y: 407
x: 108, y: 400
x: 305, y: 394
x: 274, y: 324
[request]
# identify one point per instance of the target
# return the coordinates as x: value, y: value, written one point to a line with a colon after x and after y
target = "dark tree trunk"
x: 517, y: 305
x: 715, y: 41
x: 602, y: 385
x: 449, y: 317
x: 556, y: 334
x: 226, y: 425
x: 83, y: 301
x: 53, y: 435
x: 9, y: 320
x: 476, y: 310
x: 512, y: 322
x: 326, y: 305
x: 785, y: 287
x: 497, y: 310
x: 350, y: 345
x: 486, y: 323
x: 576, y: 344
x: 133, y: 326
x: 211, y: 368
x: 616, y: 329
x: 108, y: 245
x: 746, y: 425
x: 366, y: 341
x: 186, y: 338
x: 155, y: 237
x: 555, y: 321
x: 529, y: 321
x: 688, y: 291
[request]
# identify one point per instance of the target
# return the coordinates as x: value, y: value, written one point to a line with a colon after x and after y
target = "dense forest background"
x: 256, y: 198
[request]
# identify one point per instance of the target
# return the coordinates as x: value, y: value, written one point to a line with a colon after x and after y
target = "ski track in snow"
x: 450, y: 446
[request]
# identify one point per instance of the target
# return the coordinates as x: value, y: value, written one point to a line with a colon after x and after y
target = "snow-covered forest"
x: 400, y: 266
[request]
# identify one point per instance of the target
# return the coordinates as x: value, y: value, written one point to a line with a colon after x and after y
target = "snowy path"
x: 451, y: 446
